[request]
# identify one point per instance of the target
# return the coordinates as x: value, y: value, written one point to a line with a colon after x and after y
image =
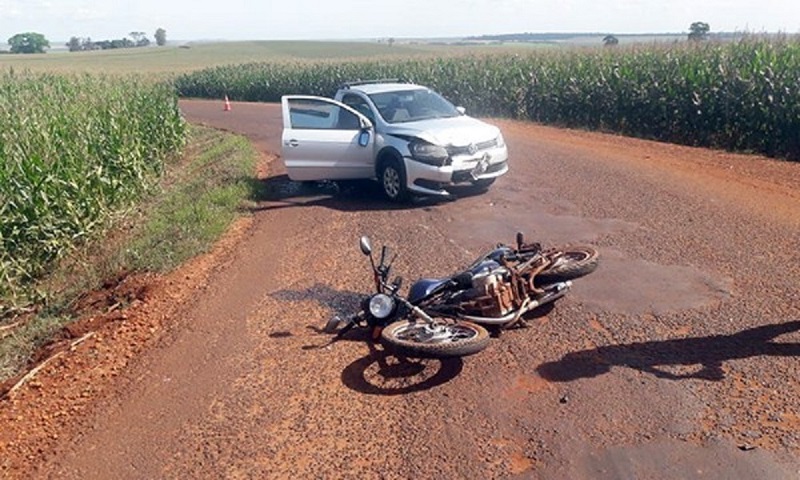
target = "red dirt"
x: 658, y: 365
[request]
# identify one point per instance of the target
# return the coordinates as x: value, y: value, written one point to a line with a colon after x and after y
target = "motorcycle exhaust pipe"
x: 558, y: 290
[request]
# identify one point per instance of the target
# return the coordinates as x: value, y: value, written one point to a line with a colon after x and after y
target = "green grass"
x: 197, y: 199
x: 206, y: 197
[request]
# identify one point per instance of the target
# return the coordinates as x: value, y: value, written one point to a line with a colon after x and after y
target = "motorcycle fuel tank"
x: 424, y: 287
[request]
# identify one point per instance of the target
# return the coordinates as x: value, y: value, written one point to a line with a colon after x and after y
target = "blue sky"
x: 347, y: 19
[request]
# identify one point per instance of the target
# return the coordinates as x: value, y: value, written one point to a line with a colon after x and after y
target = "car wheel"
x: 484, y: 182
x: 393, y: 181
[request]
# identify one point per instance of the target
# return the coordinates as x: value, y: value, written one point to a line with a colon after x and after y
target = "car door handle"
x: 291, y: 143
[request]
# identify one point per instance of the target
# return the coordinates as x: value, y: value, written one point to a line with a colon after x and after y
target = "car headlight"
x: 500, y: 141
x: 428, y: 153
x: 381, y: 306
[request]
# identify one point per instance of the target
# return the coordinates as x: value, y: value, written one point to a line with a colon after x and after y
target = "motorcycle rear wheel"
x: 420, y: 340
x: 572, y: 262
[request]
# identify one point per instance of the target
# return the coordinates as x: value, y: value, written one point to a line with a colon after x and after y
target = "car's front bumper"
x: 431, y: 180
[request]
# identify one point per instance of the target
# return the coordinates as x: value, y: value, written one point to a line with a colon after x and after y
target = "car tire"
x: 392, y: 177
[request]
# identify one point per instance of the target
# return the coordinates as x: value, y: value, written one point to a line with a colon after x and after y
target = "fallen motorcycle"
x: 443, y: 317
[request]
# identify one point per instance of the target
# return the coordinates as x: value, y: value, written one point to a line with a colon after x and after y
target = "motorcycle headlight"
x: 381, y: 306
x: 428, y: 153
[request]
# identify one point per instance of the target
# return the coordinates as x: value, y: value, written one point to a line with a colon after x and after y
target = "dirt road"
x: 678, y: 358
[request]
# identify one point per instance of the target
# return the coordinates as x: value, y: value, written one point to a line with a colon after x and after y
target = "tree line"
x: 134, y: 39
x: 32, y: 42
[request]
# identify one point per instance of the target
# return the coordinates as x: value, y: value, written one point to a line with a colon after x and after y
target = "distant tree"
x: 610, y: 41
x: 161, y: 37
x: 140, y: 39
x: 29, y: 42
x: 122, y: 43
x: 88, y: 44
x: 698, y: 31
x: 75, y: 44
x: 390, y: 41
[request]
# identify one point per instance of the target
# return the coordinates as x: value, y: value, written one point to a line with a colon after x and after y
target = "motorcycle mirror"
x: 366, y: 248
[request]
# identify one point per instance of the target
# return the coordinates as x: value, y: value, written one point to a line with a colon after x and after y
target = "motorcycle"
x: 445, y: 317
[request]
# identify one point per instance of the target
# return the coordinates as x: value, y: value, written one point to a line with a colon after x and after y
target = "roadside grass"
x: 206, y: 199
x: 197, y: 199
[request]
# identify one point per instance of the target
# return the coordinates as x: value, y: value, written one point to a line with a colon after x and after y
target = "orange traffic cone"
x: 227, y: 107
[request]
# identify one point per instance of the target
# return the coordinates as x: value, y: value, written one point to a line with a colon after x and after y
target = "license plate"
x: 481, y: 167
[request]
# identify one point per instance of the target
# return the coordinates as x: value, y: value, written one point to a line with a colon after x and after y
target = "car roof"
x: 372, y: 88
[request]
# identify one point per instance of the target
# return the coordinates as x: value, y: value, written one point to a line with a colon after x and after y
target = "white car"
x: 406, y: 136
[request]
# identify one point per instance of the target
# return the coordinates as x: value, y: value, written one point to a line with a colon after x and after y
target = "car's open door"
x: 325, y: 140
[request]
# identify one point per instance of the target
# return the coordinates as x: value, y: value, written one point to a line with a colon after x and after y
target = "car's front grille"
x: 479, y: 147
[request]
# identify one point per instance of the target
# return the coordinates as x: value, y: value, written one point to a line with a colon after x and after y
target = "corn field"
x: 72, y: 150
x: 742, y: 96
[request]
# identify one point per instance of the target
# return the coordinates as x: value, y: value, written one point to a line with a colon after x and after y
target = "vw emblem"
x: 472, y: 149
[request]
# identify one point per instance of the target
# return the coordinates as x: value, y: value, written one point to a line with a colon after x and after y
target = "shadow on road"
x: 353, y: 195
x: 381, y: 373
x: 655, y: 357
x: 343, y: 303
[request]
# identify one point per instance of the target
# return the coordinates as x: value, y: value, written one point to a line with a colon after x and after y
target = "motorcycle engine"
x: 491, y: 294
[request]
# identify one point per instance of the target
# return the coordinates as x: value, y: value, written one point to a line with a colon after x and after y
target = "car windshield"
x: 412, y: 105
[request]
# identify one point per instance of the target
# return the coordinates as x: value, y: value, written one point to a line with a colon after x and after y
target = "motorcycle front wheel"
x: 570, y: 263
x: 421, y: 340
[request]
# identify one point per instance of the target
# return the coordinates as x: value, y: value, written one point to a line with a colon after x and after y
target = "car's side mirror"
x: 363, y: 137
x: 366, y: 127
x: 461, y: 110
